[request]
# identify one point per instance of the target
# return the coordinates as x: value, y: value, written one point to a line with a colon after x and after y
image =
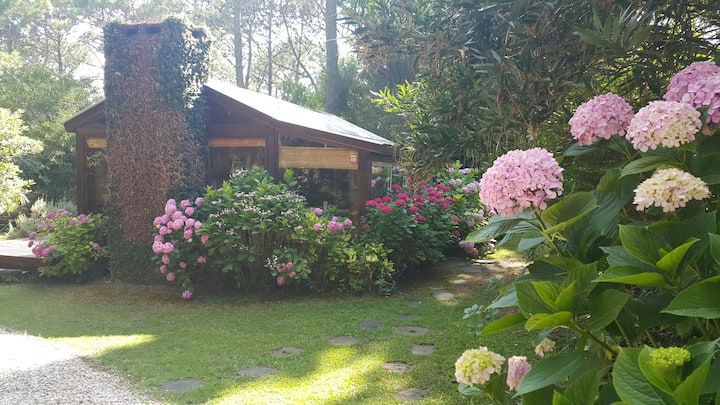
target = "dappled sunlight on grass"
x: 339, y: 375
x: 99, y: 345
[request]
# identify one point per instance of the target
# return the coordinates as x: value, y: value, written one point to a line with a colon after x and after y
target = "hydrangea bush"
x: 634, y: 265
x: 70, y: 245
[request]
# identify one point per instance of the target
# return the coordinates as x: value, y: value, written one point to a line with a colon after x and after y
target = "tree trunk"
x: 238, y: 44
x: 332, y: 85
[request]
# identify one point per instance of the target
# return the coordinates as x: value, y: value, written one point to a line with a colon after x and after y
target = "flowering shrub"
x: 70, y: 245
x: 178, y: 245
x: 600, y: 118
x: 635, y: 292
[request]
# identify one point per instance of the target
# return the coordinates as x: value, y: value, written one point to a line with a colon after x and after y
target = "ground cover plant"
x: 152, y: 337
x: 631, y: 278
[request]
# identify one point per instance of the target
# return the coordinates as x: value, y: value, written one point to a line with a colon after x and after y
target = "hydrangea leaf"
x: 631, y: 385
x: 548, y: 321
x: 632, y: 275
x: 646, y: 164
x: 700, y: 300
x: 503, y: 323
x: 582, y: 391
x: 688, y: 392
x: 568, y: 210
x: 605, y: 307
x: 553, y: 369
x: 671, y: 261
x: 641, y: 243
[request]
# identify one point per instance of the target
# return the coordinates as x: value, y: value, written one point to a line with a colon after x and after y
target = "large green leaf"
x: 631, y: 385
x: 646, y: 164
x: 566, y: 299
x: 553, y: 369
x: 671, y: 261
x: 632, y: 275
x: 528, y: 299
x: 619, y: 256
x: 700, y: 300
x: 549, y: 321
x: 567, y: 211
x: 688, y: 392
x: 496, y: 227
x: 665, y: 381
x: 548, y: 291
x: 641, y: 243
x: 503, y: 323
x: 582, y: 391
x: 715, y: 247
x: 508, y: 299
x: 529, y: 243
x: 605, y: 307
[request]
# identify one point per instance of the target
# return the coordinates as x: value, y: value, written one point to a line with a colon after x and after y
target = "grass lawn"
x: 153, y: 337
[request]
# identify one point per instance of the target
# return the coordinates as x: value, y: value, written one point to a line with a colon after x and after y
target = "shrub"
x: 70, y: 245
x: 417, y: 224
x: 632, y: 272
x: 27, y: 223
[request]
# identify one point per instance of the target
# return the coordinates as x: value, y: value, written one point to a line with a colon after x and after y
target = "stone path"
x: 461, y: 275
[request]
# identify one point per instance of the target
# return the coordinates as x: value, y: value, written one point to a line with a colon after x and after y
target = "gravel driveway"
x: 36, y: 371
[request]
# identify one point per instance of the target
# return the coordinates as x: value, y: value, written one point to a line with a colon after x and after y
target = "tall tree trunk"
x: 238, y: 44
x: 332, y: 85
x: 271, y: 10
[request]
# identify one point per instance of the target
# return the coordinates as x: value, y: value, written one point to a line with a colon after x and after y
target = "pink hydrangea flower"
x: 187, y: 234
x: 186, y: 295
x: 518, y: 367
x: 347, y: 222
x: 204, y: 239
x: 413, y: 209
x: 182, y: 265
x: 165, y: 259
x: 189, y: 211
x: 318, y: 211
x: 199, y: 201
x: 521, y: 179
x: 387, y: 209
x: 669, y: 189
x: 184, y: 204
x: 292, y: 274
x: 83, y: 218
x: 420, y: 218
x: 168, y: 248
x: 281, y: 281
x: 475, y: 366
x: 664, y: 123
x: 698, y: 85
x: 202, y: 259
x: 317, y: 227
x: 170, y: 277
x: 163, y: 268
x: 601, y: 117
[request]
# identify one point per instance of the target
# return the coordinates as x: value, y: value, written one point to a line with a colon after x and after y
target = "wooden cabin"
x: 333, y: 159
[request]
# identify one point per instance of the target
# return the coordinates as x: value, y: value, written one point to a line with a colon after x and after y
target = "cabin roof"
x: 273, y: 111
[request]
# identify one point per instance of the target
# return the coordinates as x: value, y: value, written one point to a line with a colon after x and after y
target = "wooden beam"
x: 318, y: 158
x: 96, y: 143
x: 237, y: 142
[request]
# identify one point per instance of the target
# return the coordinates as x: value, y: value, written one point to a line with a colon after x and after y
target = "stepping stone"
x: 486, y: 261
x: 443, y: 296
x: 182, y: 385
x: 412, y: 330
x: 423, y: 350
x: 460, y: 281
x: 369, y: 324
x: 287, y: 351
x: 413, y: 303
x: 259, y: 371
x: 408, y: 317
x: 412, y: 394
x: 396, y: 367
x: 343, y: 341
x: 437, y: 288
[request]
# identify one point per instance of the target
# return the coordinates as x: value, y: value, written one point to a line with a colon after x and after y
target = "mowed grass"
x: 151, y: 336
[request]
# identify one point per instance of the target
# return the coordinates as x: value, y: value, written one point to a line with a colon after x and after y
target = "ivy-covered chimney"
x: 157, y: 142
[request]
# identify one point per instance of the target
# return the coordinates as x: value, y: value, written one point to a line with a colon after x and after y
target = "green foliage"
x: 636, y: 286
x: 24, y: 224
x: 69, y: 245
x: 13, y: 144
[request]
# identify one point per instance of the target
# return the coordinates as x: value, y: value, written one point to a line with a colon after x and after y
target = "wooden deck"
x: 15, y: 254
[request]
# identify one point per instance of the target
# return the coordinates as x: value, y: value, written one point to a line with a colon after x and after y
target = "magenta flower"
x: 318, y: 227
x: 165, y: 259
x: 202, y: 259
x: 176, y: 215
x: 413, y: 209
x: 30, y: 243
x: 292, y: 274
x: 518, y: 367
x: 96, y: 246
x: 281, y: 281
x: 601, y: 117
x: 521, y: 179
x: 189, y: 211
x: 420, y: 218
x: 163, y: 230
x: 664, y: 123
x: 184, y: 204
x: 669, y: 189
x: 187, y: 234
x: 456, y: 234
x: 182, y: 265
x: 204, y: 239
x: 197, y: 226
x: 318, y: 211
x: 32, y: 235
x: 163, y: 268
x: 455, y: 219
x: 199, y: 201
x: 50, y: 215
x: 170, y: 277
x: 72, y: 222
x: 190, y: 223
x: 347, y: 222
x: 83, y: 218
x: 186, y: 295
x: 387, y: 209
x: 699, y: 86
x: 400, y: 202
x: 168, y: 248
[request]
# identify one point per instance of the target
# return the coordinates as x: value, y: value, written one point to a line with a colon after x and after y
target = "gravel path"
x: 36, y: 371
